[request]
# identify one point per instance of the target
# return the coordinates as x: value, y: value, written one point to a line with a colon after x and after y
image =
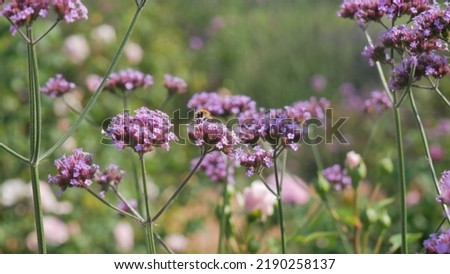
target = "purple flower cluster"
x: 25, y: 12
x: 444, y: 187
x: 57, y: 86
x: 438, y: 243
x: 215, y: 167
x: 143, y: 131
x: 111, y: 176
x: 70, y: 10
x: 221, y: 105
x: 128, y: 80
x: 255, y: 160
x: 337, y: 176
x: 76, y: 170
x: 21, y: 12
x: 174, y: 84
x: 431, y: 64
x: 378, y: 102
x: 212, y: 135
x: 364, y: 11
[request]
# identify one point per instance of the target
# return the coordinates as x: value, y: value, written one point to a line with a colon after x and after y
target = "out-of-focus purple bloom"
x: 221, y: 105
x: 444, y: 187
x: 258, y: 198
x: 216, y: 168
x: 378, y: 102
x: 143, y: 131
x: 375, y: 54
x: 212, y: 135
x: 337, y: 176
x: 76, y: 170
x: 318, y: 82
x: 280, y: 128
x: 174, y: 84
x: 124, y: 207
x: 129, y: 80
x: 24, y: 12
x: 434, y: 22
x: 70, y: 10
x: 437, y: 152
x: 255, y: 161
x: 312, y: 108
x: 57, y: 86
x: 196, y: 43
x: 438, y: 243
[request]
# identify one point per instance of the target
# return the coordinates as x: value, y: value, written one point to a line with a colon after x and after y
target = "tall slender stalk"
x: 402, y: 176
x: 35, y: 138
x: 223, y: 217
x: 279, y: 202
x: 423, y: 136
x: 148, y: 219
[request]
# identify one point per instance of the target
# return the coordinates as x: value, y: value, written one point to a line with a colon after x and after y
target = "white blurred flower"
x: 176, y: 242
x: 12, y: 191
x: 50, y: 203
x: 352, y: 160
x: 134, y: 53
x: 104, y: 34
x: 77, y: 48
x: 56, y: 233
x: 258, y: 197
x: 124, y: 236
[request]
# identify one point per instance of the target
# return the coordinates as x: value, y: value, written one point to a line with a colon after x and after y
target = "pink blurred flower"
x: 258, y: 198
x: 318, y: 82
x: 437, y: 152
x: 294, y: 189
x: 124, y: 236
x: 176, y: 242
x: 56, y: 233
x: 353, y: 160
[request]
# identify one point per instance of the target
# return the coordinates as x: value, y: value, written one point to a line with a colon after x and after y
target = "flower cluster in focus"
x: 57, y: 86
x: 438, y: 243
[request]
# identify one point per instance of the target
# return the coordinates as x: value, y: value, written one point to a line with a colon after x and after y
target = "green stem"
x: 108, y: 204
x: 441, y: 95
x: 148, y: 219
x: 35, y: 139
x: 48, y: 31
x: 14, y: 153
x: 423, y: 136
x: 402, y: 177
x: 280, y: 203
x: 357, y: 227
x: 125, y: 201
x: 180, y: 187
x: 166, y: 102
x: 337, y: 223
x: 99, y: 90
x: 223, y: 217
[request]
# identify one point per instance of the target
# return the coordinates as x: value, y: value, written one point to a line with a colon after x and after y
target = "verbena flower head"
x: 70, y: 10
x: 251, y: 126
x: 220, y: 105
x: 128, y: 80
x: 212, y: 135
x: 337, y: 176
x: 111, y: 176
x: 434, y: 22
x: 281, y: 128
x: 438, y: 243
x: 24, y: 12
x: 143, y: 131
x: 378, y: 102
x: 254, y: 160
x: 174, y: 84
x: 57, y: 86
x: 216, y: 168
x: 257, y: 198
x: 76, y: 170
x: 444, y: 187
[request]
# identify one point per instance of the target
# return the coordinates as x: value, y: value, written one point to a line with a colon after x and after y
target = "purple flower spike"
x: 337, y: 176
x: 76, y: 170
x: 70, y: 10
x: 111, y: 176
x: 212, y: 135
x: 210, y: 101
x: 215, y: 167
x: 378, y: 102
x: 24, y: 12
x: 438, y: 243
x: 255, y: 160
x: 57, y: 86
x: 174, y: 84
x: 142, y: 132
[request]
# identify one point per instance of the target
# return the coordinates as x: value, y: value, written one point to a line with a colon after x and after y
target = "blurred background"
x: 276, y: 52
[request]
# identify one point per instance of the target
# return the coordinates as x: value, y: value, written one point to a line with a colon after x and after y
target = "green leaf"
x: 314, y: 236
x: 396, y: 240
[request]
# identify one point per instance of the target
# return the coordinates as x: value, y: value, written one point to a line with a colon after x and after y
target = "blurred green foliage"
x: 269, y: 50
